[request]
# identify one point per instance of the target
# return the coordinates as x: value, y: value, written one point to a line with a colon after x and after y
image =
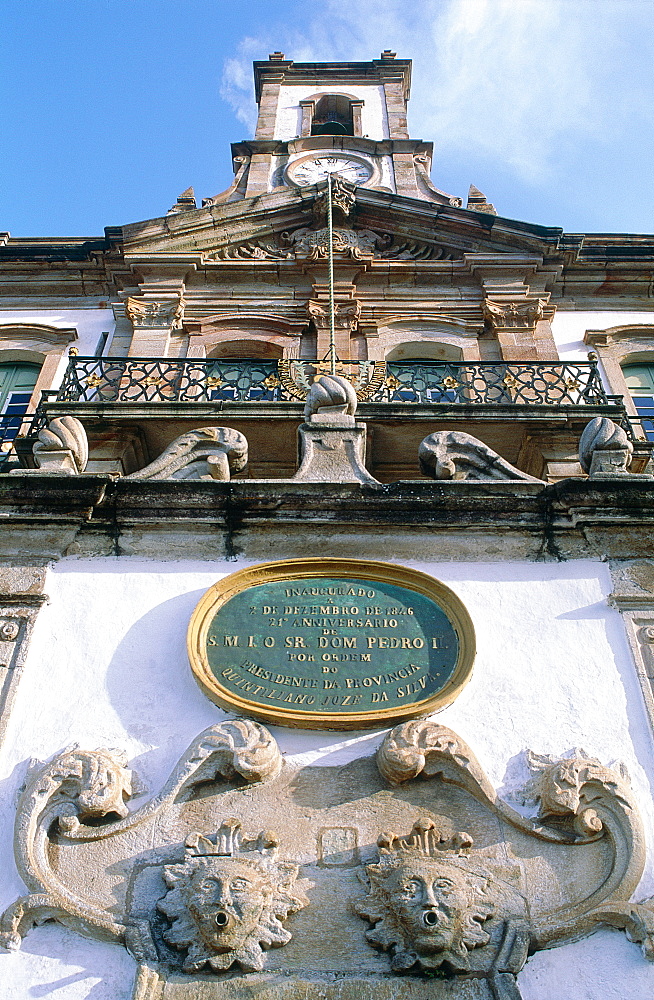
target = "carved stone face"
x: 226, y: 898
x: 426, y: 911
x: 223, y: 909
x: 430, y: 901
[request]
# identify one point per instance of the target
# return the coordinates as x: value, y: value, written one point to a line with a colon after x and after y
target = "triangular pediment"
x: 281, y: 226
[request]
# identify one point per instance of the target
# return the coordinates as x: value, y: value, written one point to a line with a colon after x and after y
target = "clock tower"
x: 347, y: 118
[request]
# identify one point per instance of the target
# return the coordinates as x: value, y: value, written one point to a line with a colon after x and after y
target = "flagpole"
x: 330, y: 230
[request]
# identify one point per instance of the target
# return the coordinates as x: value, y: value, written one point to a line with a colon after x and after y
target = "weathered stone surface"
x: 207, y: 453
x: 604, y: 448
x: 469, y: 889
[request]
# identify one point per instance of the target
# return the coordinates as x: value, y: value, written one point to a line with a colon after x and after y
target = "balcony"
x: 134, y: 407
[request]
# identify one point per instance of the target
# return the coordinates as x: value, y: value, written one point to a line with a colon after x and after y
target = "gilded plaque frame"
x: 289, y: 570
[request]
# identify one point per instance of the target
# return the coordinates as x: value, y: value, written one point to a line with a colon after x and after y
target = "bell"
x: 330, y: 128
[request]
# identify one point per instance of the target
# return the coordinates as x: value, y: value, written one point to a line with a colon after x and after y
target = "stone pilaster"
x: 633, y: 596
x: 153, y: 319
x: 521, y: 328
x: 346, y: 315
x: 21, y: 597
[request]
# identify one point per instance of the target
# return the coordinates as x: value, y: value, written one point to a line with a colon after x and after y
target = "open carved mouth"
x: 430, y: 918
x: 222, y: 920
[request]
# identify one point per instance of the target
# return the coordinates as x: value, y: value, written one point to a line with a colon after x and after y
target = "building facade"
x: 333, y: 370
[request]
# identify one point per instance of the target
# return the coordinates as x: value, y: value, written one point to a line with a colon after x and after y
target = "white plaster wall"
x: 568, y: 329
x: 374, y: 120
x: 90, y: 324
x: 108, y: 667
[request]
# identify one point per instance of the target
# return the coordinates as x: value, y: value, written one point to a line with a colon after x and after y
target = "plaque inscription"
x: 331, y: 643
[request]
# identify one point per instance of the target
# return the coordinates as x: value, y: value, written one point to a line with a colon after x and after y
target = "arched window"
x: 17, y: 381
x: 333, y: 116
x: 243, y: 370
x: 640, y: 382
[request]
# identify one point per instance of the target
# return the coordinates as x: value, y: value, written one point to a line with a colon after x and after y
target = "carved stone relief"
x: 312, y: 244
x: 207, y: 453
x: 604, y: 448
x: 457, y: 455
x: 464, y: 894
x: 228, y: 898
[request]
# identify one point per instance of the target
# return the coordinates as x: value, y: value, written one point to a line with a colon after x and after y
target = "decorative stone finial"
x: 477, y: 202
x: 185, y: 202
x: 604, y: 448
x: 330, y: 394
x: 62, y: 446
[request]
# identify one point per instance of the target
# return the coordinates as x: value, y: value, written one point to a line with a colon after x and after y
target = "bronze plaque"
x: 331, y: 643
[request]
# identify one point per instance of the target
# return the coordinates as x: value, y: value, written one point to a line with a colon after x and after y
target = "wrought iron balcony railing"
x: 164, y: 380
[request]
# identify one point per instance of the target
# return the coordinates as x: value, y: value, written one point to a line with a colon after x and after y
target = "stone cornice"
x: 574, y: 518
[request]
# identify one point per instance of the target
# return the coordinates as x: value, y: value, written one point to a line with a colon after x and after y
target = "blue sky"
x: 110, y: 108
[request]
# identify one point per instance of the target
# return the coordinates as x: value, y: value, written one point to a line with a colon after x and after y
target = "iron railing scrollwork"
x: 163, y: 380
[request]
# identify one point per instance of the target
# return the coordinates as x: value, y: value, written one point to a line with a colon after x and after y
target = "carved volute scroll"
x: 457, y: 455
x: 456, y: 884
x: 207, y: 453
x: 78, y: 786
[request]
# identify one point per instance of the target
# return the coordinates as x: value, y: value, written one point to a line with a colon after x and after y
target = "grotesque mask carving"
x: 226, y: 906
x: 427, y: 902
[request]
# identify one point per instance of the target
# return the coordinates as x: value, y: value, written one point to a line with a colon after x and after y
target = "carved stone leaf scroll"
x: 456, y: 883
x: 78, y: 786
x: 457, y: 455
x: 207, y: 453
x: 310, y: 244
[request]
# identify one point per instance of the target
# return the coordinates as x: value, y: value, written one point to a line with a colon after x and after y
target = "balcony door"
x: 640, y: 382
x: 17, y: 381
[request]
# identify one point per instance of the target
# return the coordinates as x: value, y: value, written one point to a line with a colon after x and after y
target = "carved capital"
x: 346, y: 314
x: 513, y: 314
x: 155, y: 314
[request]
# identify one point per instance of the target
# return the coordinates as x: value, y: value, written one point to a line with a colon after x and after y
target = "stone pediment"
x: 282, y: 226
x: 246, y: 872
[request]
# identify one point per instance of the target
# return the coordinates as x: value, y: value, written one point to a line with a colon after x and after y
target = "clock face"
x: 315, y: 168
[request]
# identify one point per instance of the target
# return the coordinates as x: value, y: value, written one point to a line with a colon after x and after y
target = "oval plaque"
x: 331, y: 643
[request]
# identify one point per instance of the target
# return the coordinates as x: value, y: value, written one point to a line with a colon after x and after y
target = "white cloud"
x: 507, y: 79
